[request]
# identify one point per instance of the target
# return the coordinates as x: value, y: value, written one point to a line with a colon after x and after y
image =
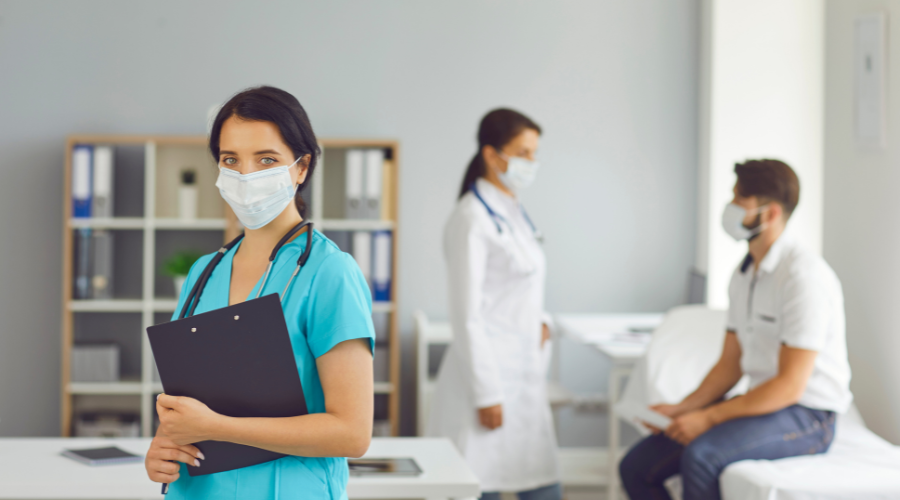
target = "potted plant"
x: 178, y: 265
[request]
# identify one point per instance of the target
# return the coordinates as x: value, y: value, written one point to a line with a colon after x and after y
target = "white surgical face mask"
x: 258, y: 197
x: 520, y: 172
x: 733, y: 222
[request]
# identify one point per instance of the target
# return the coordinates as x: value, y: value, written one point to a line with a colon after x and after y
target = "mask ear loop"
x: 762, y: 226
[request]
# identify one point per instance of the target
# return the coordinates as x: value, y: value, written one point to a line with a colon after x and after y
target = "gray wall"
x: 861, y: 238
x: 613, y: 83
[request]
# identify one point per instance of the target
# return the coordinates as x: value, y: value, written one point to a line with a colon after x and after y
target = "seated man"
x: 785, y: 330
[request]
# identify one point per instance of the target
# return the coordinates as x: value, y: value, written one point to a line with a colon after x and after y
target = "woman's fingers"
x: 180, y: 456
x: 192, y: 450
x: 166, y: 467
x: 161, y: 477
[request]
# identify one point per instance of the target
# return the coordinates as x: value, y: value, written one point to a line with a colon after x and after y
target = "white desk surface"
x: 591, y: 329
x: 32, y: 468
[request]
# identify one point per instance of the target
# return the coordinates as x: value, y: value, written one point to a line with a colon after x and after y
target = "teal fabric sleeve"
x: 339, y: 306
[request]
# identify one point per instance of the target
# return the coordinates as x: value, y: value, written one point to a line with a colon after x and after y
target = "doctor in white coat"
x: 491, y: 397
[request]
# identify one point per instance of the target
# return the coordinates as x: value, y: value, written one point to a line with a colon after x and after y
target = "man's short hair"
x: 769, y: 180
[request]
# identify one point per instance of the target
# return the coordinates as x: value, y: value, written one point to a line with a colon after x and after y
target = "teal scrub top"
x: 328, y: 302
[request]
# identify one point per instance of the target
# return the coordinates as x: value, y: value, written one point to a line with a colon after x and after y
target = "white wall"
x: 613, y: 84
x: 862, y: 240
x: 761, y: 97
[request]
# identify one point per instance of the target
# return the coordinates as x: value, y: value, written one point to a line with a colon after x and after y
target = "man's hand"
x: 688, y: 427
x: 670, y: 411
x: 491, y: 417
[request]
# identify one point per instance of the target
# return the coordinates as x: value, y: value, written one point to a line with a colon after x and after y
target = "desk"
x: 31, y: 468
x: 594, y: 330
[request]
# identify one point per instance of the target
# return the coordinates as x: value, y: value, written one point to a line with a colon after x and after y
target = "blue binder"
x: 82, y: 166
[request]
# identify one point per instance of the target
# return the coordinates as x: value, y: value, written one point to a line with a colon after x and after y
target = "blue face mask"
x: 258, y: 197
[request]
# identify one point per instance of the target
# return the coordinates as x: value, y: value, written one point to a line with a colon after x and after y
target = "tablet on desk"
x: 102, y: 456
x: 393, y: 467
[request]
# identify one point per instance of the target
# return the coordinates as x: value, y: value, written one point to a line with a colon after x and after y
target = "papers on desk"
x: 631, y: 337
x: 626, y: 330
x: 638, y: 413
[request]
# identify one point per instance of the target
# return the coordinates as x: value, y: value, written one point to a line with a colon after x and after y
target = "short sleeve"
x: 340, y: 305
x: 805, y: 311
x: 732, y: 320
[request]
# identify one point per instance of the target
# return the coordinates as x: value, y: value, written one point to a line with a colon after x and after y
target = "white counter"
x: 32, y: 468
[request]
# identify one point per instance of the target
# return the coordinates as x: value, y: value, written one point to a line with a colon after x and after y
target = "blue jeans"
x: 793, y: 431
x: 552, y: 492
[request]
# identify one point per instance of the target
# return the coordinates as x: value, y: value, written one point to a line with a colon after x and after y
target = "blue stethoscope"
x: 497, y: 218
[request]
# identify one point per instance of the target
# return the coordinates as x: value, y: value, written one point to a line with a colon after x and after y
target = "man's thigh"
x: 786, y: 433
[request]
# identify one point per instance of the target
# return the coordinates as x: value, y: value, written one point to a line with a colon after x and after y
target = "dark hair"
x: 270, y: 104
x: 771, y: 180
x: 497, y: 128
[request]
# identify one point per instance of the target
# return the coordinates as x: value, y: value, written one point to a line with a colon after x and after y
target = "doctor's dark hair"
x: 497, y: 128
x: 769, y: 180
x: 270, y: 104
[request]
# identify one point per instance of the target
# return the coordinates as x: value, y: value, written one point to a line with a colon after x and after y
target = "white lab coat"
x: 496, y: 287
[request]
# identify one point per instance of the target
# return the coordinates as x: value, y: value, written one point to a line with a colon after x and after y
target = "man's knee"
x: 630, y: 466
x: 702, y: 458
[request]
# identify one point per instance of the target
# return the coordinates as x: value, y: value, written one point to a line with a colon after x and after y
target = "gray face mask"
x: 733, y: 222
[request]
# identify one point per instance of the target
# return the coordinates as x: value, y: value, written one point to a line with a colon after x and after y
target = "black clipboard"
x: 238, y: 361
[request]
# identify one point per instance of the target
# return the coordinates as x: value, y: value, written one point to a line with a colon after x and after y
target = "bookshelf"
x: 146, y: 223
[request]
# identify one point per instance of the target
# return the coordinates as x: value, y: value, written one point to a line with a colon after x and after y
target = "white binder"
x: 381, y: 269
x: 354, y: 187
x: 374, y: 169
x: 362, y: 252
x: 102, y: 268
x: 103, y: 182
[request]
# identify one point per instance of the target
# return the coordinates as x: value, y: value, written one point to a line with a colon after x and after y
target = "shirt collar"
x: 773, y: 256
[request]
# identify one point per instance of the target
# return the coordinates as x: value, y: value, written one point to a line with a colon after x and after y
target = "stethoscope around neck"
x: 190, y: 304
x: 497, y: 218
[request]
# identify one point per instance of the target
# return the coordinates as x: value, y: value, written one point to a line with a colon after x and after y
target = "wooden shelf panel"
x: 354, y: 224
x: 114, y: 305
x: 105, y: 388
x: 184, y: 224
x: 382, y: 307
x: 384, y: 388
x: 165, y: 305
x: 107, y: 222
x: 218, y: 224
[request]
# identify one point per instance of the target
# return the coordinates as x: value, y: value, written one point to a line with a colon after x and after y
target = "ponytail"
x: 475, y: 170
x: 496, y: 129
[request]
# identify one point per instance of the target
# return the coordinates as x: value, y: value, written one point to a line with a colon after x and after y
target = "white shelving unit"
x: 150, y: 304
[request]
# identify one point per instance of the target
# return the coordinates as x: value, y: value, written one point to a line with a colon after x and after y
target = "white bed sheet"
x: 859, y: 465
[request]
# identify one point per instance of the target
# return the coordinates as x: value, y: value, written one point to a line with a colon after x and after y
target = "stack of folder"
x: 92, y: 196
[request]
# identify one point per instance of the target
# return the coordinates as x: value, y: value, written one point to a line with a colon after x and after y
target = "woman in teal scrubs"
x: 266, y: 152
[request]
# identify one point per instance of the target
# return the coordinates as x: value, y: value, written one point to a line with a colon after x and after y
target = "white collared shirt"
x: 795, y: 299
